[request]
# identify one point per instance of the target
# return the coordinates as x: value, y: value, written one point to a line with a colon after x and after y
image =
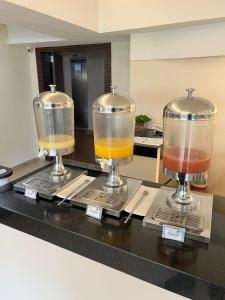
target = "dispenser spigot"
x: 103, y: 162
x: 42, y: 153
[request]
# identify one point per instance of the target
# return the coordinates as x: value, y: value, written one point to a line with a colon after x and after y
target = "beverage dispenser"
x: 54, y: 116
x: 113, y: 123
x: 188, y: 130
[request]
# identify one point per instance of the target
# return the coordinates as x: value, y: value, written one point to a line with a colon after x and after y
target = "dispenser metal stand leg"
x: 114, y: 183
x: 114, y: 179
x: 58, y: 167
x: 182, y: 199
x: 182, y: 194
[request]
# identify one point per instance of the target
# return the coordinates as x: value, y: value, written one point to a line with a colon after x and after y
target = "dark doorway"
x: 80, y: 91
x: 83, y: 72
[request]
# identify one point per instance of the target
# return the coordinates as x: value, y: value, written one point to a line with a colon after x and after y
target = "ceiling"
x: 30, y: 28
x: 42, y: 26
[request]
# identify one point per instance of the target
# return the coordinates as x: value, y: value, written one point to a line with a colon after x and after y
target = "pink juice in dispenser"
x: 185, y: 160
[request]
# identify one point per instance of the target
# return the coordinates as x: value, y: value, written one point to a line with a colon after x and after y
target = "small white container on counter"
x: 5, y: 182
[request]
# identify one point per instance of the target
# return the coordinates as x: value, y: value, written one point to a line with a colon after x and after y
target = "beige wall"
x: 206, y: 40
x: 154, y: 83
x: 121, y: 15
x: 33, y: 73
x: 121, y: 65
x: 17, y: 129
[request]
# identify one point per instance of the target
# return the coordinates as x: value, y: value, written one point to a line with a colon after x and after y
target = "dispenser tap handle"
x: 181, y: 177
x: 42, y: 153
x: 102, y: 162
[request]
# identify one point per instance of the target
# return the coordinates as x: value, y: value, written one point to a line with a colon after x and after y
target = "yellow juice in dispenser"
x: 113, y: 148
x: 56, y: 142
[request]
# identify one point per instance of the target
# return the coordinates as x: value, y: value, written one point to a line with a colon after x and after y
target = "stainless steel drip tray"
x: 112, y: 203
x: 174, y: 217
x: 197, y: 224
x: 48, y: 186
x: 44, y: 184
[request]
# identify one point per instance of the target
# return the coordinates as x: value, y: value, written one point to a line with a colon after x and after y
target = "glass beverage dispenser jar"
x: 188, y: 124
x: 113, y: 123
x: 54, y: 116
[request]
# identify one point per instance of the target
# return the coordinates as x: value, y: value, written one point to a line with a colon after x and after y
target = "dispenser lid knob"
x: 52, y: 88
x: 113, y: 90
x: 113, y: 102
x: 190, y: 92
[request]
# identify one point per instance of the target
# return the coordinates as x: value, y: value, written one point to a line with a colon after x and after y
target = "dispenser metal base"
x: 115, y: 189
x: 47, y: 185
x: 173, y: 202
x: 197, y: 224
x: 112, y: 202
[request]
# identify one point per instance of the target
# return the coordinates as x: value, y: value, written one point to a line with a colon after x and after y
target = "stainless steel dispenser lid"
x: 190, y: 108
x: 52, y: 99
x: 113, y: 102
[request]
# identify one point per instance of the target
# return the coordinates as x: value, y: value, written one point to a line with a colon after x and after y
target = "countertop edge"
x: 103, y: 253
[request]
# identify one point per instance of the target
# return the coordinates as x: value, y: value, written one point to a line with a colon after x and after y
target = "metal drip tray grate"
x: 176, y: 218
x: 99, y: 198
x: 47, y: 186
x: 42, y: 184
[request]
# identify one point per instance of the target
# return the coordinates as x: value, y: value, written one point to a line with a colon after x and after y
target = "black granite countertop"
x: 191, y: 269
